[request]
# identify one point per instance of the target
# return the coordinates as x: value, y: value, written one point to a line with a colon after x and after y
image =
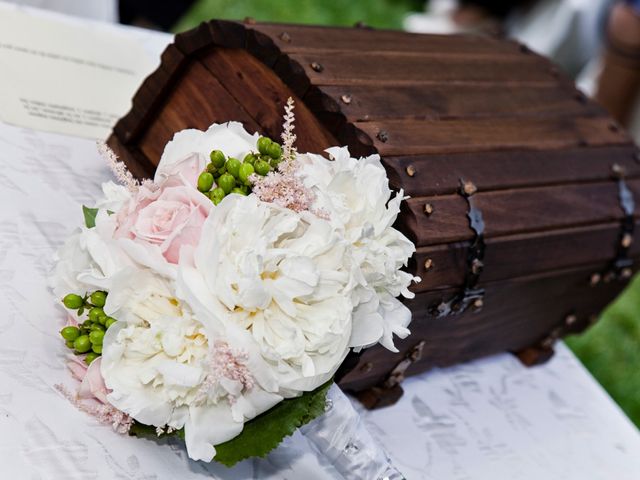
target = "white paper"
x: 104, y: 10
x: 67, y: 75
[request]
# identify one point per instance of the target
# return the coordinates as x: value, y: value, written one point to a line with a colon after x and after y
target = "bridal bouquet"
x: 217, y: 301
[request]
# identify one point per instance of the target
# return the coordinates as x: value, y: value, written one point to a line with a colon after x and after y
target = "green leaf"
x: 263, y: 433
x: 141, y: 430
x: 266, y: 431
x: 89, y: 216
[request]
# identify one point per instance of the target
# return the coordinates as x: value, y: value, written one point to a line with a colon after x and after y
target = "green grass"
x: 611, y: 349
x: 376, y: 13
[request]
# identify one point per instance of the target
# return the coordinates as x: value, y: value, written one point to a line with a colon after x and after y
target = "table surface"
x: 489, y: 419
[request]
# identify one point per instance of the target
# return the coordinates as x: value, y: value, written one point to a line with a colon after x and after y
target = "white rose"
x: 165, y: 367
x: 283, y: 276
x: 187, y: 153
x: 89, y: 259
x: 114, y: 197
x: 357, y: 198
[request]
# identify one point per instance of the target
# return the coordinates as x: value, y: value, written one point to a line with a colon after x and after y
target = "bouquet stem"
x: 342, y: 437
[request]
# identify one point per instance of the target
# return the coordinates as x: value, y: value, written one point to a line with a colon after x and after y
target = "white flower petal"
x: 368, y: 325
x: 230, y: 137
x: 209, y: 426
x: 356, y: 195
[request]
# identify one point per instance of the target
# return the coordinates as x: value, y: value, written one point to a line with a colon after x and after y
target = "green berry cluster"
x: 87, y: 337
x: 224, y: 176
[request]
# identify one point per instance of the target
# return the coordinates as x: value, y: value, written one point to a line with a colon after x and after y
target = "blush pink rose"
x: 91, y: 396
x: 92, y: 385
x: 71, y: 321
x: 168, y: 217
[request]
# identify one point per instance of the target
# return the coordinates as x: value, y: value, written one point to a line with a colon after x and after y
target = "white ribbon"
x: 341, y: 436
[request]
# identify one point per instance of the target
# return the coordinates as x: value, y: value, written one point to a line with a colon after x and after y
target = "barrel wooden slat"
x: 297, y: 38
x: 362, y: 103
x: 406, y: 137
x: 510, y: 212
x: 397, y: 69
x: 519, y: 255
x: 437, y: 174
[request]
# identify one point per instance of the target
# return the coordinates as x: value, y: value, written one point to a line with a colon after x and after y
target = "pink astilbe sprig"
x: 283, y: 189
x: 229, y: 363
x: 106, y: 414
x: 120, y: 170
x: 289, y: 151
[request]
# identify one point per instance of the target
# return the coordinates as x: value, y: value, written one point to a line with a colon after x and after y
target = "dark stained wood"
x: 438, y: 174
x: 516, y: 314
x: 380, y: 397
x: 509, y: 212
x: 293, y: 74
x: 189, y: 105
x: 519, y: 255
x: 193, y: 40
x: 401, y: 68
x: 223, y: 33
x: 262, y: 47
x: 300, y: 38
x: 150, y: 95
x: 228, y: 34
x: 532, y: 356
x: 263, y: 96
x: 361, y: 103
x: 137, y: 163
x: 407, y: 137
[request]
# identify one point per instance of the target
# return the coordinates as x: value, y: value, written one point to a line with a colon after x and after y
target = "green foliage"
x: 266, y: 431
x: 611, y: 350
x: 89, y: 216
x: 380, y: 13
x: 141, y: 430
x: 263, y: 433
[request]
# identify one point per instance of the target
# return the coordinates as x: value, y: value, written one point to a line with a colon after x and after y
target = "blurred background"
x: 597, y: 42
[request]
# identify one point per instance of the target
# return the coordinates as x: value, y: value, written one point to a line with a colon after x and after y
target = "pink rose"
x: 167, y: 217
x: 92, y: 385
x: 91, y: 396
x: 71, y: 321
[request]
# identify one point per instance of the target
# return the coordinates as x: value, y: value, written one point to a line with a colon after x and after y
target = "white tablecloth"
x: 491, y: 419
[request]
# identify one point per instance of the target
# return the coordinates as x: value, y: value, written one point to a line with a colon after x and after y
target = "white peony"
x: 356, y: 196
x: 283, y: 276
x: 165, y: 367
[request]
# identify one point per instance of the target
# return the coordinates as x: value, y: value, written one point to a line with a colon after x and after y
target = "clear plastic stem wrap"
x: 341, y: 436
